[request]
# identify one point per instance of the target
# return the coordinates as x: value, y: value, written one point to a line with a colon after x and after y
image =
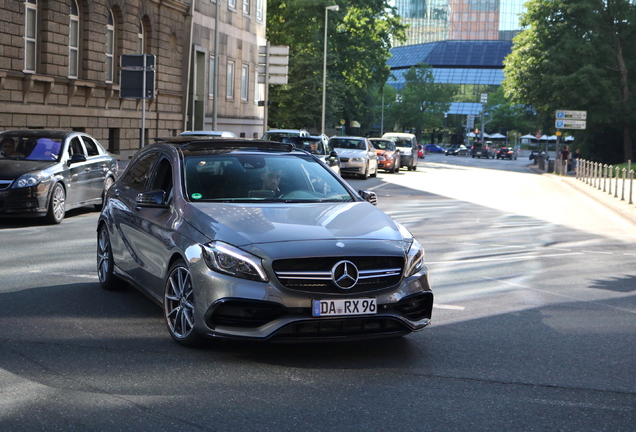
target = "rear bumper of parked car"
x: 241, y: 309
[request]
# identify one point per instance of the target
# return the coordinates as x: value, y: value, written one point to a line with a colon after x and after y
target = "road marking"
x: 527, y: 257
x: 450, y: 307
x: 599, y: 252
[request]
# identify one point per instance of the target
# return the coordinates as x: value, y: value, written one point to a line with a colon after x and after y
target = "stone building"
x: 60, y: 67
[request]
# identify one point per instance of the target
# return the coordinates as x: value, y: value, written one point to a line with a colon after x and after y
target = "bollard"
x: 609, y: 179
x: 604, y: 174
x: 623, y: 186
x: 616, y: 183
x: 631, y: 186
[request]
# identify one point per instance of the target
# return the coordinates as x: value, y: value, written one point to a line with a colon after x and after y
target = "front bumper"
x: 26, y: 202
x: 239, y: 309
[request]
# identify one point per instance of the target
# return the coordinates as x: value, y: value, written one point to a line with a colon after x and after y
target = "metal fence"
x: 608, y: 178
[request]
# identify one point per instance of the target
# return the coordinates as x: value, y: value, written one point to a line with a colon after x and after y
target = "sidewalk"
x: 628, y: 211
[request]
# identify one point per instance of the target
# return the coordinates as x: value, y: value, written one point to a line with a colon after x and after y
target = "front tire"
x: 178, y: 306
x: 57, y: 205
x: 365, y: 175
x: 105, y: 264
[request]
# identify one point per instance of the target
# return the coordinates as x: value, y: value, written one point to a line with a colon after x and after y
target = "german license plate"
x: 344, y: 307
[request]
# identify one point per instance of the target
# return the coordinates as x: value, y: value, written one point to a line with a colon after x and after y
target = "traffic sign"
x: 571, y: 115
x: 570, y: 124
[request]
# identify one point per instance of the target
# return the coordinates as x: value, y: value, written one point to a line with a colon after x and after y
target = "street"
x: 533, y: 326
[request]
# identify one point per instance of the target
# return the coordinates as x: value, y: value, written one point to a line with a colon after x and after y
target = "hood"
x: 11, y: 169
x: 249, y: 224
x: 350, y: 153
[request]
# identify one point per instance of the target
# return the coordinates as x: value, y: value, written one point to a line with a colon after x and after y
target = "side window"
x: 91, y: 147
x: 162, y: 178
x: 75, y: 147
x: 138, y: 173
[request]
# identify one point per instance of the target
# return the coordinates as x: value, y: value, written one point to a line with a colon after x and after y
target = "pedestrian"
x: 565, y: 154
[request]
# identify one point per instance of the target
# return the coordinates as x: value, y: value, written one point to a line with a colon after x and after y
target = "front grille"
x: 313, y: 275
x: 349, y: 328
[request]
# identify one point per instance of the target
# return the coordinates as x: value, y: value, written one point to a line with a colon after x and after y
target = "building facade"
x: 60, y: 67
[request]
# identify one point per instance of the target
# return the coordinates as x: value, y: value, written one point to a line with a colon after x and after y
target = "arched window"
x: 73, y: 41
x: 30, y: 34
x: 110, y: 48
x: 140, y: 38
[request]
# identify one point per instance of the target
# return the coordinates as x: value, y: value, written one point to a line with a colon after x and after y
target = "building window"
x: 229, y: 91
x: 259, y: 10
x: 212, y: 79
x: 140, y: 39
x: 110, y: 48
x: 231, y: 4
x: 30, y: 34
x: 257, y: 89
x: 246, y: 7
x: 73, y: 41
x: 245, y: 79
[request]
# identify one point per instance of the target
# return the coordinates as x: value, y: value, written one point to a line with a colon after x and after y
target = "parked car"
x: 534, y: 155
x: 255, y: 240
x: 507, y: 153
x: 388, y: 154
x: 357, y: 155
x: 457, y: 150
x: 407, y: 144
x: 207, y: 134
x: 279, y: 134
x: 319, y: 147
x: 52, y: 171
x: 434, y: 148
x: 480, y: 150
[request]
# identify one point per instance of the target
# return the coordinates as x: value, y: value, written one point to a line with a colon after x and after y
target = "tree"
x: 423, y: 102
x: 578, y: 55
x: 359, y: 40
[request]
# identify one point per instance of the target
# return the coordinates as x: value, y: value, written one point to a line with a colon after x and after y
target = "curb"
x: 621, y: 207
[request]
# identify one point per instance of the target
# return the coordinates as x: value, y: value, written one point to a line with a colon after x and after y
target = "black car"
x: 456, y: 150
x: 257, y: 240
x: 46, y: 172
x: 535, y: 154
x: 317, y: 146
x: 506, y: 153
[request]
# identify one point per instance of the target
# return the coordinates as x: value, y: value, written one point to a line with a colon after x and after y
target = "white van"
x: 279, y: 134
x: 406, y: 143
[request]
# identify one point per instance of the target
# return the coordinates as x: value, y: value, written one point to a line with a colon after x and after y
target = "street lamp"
x: 324, y: 69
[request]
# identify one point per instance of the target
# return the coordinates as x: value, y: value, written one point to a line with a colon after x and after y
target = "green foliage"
x: 359, y: 40
x: 423, y: 102
x: 578, y: 55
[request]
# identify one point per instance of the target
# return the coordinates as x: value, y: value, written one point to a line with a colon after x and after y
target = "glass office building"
x: 464, y: 41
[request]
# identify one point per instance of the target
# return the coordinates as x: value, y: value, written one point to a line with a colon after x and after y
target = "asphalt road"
x: 533, y: 329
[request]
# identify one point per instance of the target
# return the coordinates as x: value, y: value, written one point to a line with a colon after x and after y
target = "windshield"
x: 351, y: 144
x: 30, y: 147
x: 278, y: 136
x: 261, y: 177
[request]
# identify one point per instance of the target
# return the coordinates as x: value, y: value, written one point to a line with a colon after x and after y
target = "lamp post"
x: 324, y: 69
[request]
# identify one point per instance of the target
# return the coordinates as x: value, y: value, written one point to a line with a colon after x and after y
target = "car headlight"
x: 357, y: 159
x: 28, y: 180
x: 414, y: 259
x: 225, y: 258
x: 415, y: 256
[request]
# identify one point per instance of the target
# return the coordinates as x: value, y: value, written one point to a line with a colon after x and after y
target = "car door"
x: 373, y: 157
x: 126, y: 219
x: 97, y: 166
x: 152, y: 241
x: 78, y: 187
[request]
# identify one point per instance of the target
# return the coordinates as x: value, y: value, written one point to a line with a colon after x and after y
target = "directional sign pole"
x: 143, y: 107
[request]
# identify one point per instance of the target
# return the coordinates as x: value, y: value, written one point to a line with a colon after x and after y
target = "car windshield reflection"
x: 258, y: 178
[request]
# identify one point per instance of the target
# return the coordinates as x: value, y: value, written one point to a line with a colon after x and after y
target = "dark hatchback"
x: 48, y: 172
x: 258, y: 240
x: 506, y: 153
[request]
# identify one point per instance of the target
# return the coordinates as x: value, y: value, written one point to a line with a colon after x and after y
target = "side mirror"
x: 152, y: 199
x: 369, y: 196
x: 76, y: 158
x: 333, y: 154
